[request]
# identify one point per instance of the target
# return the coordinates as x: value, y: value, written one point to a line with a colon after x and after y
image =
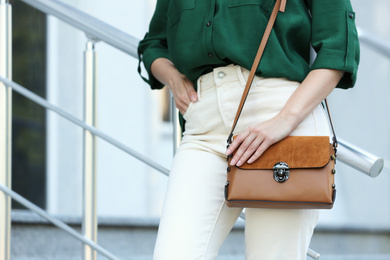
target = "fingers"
x: 183, y: 93
x: 246, y: 147
x: 192, y: 95
x: 236, y: 143
x: 263, y: 146
x: 249, y: 151
x: 182, y: 101
x: 250, y: 145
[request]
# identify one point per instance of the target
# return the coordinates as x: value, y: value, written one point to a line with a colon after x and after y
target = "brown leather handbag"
x: 295, y: 173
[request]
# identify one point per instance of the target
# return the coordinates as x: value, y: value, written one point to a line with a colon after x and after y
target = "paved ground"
x: 134, y: 240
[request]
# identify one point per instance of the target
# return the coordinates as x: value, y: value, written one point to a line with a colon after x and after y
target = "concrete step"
x: 33, y: 239
x: 44, y: 242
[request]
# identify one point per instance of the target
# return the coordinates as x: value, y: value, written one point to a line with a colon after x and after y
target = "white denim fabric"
x: 195, y: 219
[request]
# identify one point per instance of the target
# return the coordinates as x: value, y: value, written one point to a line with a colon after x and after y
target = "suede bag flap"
x: 299, y: 152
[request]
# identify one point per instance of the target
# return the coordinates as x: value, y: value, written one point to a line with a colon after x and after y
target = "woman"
x: 202, y: 50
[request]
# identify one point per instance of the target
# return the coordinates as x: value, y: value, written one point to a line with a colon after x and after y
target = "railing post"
x: 89, y: 224
x: 5, y: 127
x: 175, y: 124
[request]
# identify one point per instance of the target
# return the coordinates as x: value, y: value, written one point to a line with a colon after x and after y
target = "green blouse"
x: 199, y: 35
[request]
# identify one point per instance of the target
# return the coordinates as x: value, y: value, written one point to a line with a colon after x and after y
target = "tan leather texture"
x: 306, y: 188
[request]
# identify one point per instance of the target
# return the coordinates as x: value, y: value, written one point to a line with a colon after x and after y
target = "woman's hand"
x: 183, y: 92
x: 182, y: 88
x: 252, y: 143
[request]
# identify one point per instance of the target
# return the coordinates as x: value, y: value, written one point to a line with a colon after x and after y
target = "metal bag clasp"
x: 281, y: 172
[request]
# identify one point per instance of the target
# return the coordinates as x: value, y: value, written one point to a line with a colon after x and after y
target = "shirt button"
x: 221, y: 74
x: 351, y: 15
x: 208, y: 24
x: 211, y: 54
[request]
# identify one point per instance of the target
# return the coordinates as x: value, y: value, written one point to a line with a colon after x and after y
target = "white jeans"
x: 195, y: 219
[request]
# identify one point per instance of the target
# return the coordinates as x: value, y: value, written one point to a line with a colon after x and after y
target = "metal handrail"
x: 94, y: 28
x: 360, y: 160
x: 43, y: 102
x: 5, y: 129
x: 60, y: 224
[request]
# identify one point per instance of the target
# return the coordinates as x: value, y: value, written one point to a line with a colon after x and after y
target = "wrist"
x: 173, y: 77
x: 290, y: 118
x: 165, y: 71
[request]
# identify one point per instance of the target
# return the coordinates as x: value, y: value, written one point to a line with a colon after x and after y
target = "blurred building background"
x: 47, y: 150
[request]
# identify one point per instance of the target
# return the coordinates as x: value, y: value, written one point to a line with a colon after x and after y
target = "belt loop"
x: 240, y: 75
x: 198, y: 87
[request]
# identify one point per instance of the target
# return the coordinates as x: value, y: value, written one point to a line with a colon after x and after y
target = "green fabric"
x: 199, y: 35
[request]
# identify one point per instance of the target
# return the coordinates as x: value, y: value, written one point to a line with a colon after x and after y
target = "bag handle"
x: 280, y: 5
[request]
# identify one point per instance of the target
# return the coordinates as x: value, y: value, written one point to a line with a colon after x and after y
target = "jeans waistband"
x: 222, y: 75
x: 230, y: 73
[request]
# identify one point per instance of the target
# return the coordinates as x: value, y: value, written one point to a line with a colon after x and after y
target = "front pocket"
x: 185, y: 116
x: 175, y: 9
x: 266, y: 4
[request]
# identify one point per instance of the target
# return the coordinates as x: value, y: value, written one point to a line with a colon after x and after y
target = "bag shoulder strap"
x: 280, y: 5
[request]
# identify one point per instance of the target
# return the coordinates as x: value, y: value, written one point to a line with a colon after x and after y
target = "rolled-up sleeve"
x: 154, y: 44
x: 335, y: 38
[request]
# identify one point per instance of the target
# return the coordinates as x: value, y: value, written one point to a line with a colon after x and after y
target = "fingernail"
x: 239, y: 163
x: 250, y: 161
x: 228, y: 151
x: 232, y: 162
x: 193, y: 98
